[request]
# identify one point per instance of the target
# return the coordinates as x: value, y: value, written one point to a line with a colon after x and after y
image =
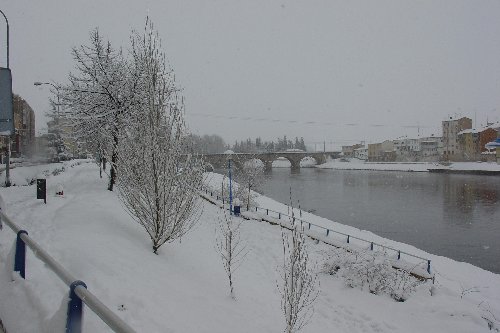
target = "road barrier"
x: 328, y: 231
x: 78, y: 292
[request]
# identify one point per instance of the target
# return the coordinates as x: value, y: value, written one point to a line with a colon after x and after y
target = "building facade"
x: 361, y: 153
x: 23, y: 139
x: 407, y: 150
x: 472, y: 141
x: 431, y: 148
x: 348, y: 151
x: 381, y: 152
x: 452, y: 150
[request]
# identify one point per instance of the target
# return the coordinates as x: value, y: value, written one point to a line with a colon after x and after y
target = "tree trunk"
x: 114, y: 159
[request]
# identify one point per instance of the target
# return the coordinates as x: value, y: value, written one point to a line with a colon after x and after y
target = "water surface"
x: 457, y: 216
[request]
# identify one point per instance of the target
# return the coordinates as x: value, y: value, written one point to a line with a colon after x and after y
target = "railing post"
x: 75, y: 309
x: 429, y: 266
x: 20, y: 256
x: 399, y: 255
x: 348, y: 238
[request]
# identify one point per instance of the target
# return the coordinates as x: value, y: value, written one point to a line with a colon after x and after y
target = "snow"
x: 283, y: 162
x: 355, y: 164
x: 184, y: 288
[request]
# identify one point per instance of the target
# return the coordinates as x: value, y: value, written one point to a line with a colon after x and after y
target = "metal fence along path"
x: 78, y: 293
x: 421, y: 269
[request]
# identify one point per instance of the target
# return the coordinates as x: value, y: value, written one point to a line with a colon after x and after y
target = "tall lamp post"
x: 7, y: 159
x: 229, y: 158
x: 7, y: 21
x: 55, y: 87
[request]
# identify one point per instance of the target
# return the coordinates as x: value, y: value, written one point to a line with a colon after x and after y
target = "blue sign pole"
x: 230, y: 189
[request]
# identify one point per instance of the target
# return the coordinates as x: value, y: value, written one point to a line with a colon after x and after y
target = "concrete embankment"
x: 467, y: 172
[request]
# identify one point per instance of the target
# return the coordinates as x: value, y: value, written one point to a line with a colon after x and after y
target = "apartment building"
x: 23, y: 139
x: 348, y: 151
x: 381, y: 152
x: 472, y: 141
x: 431, y: 148
x: 452, y: 150
x: 361, y: 153
x: 407, y: 150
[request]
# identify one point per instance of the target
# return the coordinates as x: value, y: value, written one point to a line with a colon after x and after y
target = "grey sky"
x: 351, y: 65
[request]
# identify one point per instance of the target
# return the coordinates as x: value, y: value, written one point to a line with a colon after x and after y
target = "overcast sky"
x: 339, y: 71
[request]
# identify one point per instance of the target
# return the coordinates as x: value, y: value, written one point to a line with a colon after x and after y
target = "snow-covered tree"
x: 299, y: 283
x: 100, y: 95
x: 230, y: 246
x: 159, y: 177
x: 250, y: 175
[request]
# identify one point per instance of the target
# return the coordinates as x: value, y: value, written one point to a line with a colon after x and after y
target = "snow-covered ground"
x: 184, y: 288
x: 356, y: 164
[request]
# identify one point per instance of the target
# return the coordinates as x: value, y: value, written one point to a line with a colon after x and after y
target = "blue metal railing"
x: 78, y: 292
x: 327, y: 231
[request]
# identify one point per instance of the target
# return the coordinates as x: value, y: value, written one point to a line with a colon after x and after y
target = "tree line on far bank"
x: 214, y: 144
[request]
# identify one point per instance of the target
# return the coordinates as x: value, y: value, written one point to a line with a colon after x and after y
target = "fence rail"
x: 327, y: 231
x: 78, y: 290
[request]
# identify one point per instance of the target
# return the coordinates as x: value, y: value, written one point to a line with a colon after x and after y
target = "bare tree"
x: 299, y: 284
x: 159, y: 178
x: 250, y: 175
x: 230, y: 246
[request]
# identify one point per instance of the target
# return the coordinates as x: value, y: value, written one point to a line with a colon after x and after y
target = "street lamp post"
x: 57, y: 93
x: 229, y: 157
x: 7, y: 21
x: 230, y: 187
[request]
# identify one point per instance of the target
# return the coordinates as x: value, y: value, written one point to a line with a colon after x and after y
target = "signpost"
x: 6, y: 115
x: 6, y: 110
x: 41, y: 189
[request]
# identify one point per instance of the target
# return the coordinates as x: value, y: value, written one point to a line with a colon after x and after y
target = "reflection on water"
x: 457, y: 216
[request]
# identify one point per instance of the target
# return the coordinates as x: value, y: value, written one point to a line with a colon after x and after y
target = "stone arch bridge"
x: 220, y: 160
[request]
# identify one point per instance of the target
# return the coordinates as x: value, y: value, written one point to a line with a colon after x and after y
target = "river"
x: 457, y: 216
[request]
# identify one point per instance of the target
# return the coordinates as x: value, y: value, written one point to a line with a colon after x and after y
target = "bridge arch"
x: 308, y: 161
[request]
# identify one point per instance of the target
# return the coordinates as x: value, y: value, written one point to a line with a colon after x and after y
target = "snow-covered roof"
x: 495, y: 126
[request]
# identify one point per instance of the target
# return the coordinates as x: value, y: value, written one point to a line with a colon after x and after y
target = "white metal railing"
x: 78, y: 289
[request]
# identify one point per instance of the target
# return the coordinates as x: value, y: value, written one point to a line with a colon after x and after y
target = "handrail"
x: 101, y: 310
x: 343, y: 234
x: 399, y: 252
x: 109, y: 317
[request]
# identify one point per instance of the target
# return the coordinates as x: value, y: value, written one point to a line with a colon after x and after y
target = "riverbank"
x: 184, y: 288
x: 481, y: 168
